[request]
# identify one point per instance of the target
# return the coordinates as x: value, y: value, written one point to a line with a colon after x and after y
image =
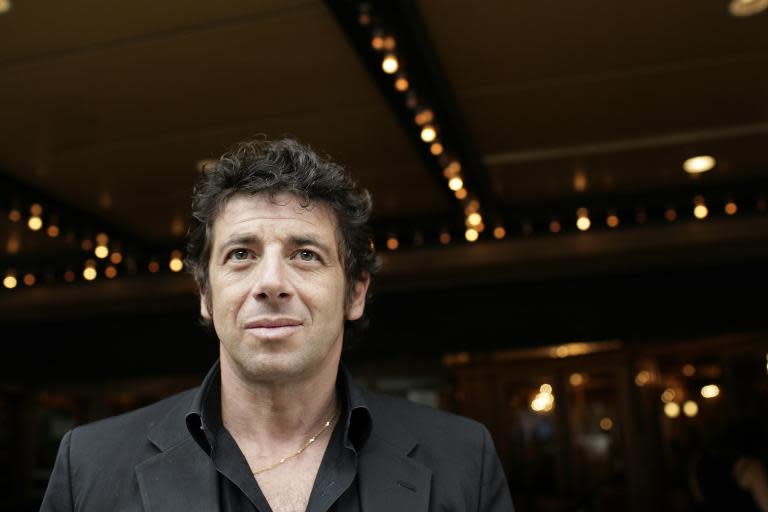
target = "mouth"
x: 273, y: 327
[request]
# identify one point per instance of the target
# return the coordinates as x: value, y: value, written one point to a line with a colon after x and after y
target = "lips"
x: 272, y: 323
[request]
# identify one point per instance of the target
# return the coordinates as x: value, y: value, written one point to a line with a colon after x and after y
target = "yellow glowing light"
x: 461, y: 193
x: 116, y: 258
x: 455, y: 183
x: 5, y: 6
x: 29, y: 279
x: 436, y: 148
x: 670, y: 214
x: 710, y: 391
x: 392, y: 243
x: 545, y: 388
x: 642, y: 378
x: 731, y: 208
x: 555, y: 226
x: 102, y: 239
x: 543, y: 402
x: 743, y: 8
x: 672, y: 410
x: 583, y: 223
x: 36, y: 210
x: 110, y: 272
x: 69, y: 276
x: 89, y: 273
x: 401, y: 84
x: 14, y: 215
x: 690, y: 408
x: 176, y: 264
x: 580, y: 181
x: 428, y: 133
x: 101, y: 251
x: 474, y: 219
x: 423, y: 117
x: 445, y: 238
x: 606, y: 424
x: 390, y: 64
x: 10, y: 282
x: 389, y: 43
x: 689, y: 370
x: 700, y: 211
x: 452, y: 169
x: 471, y: 235
x: 668, y: 395
x: 35, y: 223
x: 377, y: 42
x: 499, y: 232
x: 576, y: 379
x: 612, y: 221
x: 699, y: 164
x: 53, y: 231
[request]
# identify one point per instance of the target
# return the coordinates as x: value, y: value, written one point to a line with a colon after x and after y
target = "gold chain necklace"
x: 300, y: 450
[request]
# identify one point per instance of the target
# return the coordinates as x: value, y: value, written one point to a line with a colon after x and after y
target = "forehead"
x: 279, y: 214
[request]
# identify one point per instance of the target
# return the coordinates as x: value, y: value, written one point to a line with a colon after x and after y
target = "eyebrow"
x: 293, y: 241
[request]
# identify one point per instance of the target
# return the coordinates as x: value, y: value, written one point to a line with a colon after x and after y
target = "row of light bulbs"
x: 584, y: 222
x: 424, y: 118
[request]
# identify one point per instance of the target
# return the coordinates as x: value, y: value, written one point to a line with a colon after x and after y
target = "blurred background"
x: 571, y: 203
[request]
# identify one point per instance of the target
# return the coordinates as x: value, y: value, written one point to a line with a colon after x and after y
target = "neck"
x: 274, y: 413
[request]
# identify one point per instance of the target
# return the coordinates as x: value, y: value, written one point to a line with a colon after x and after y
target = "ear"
x: 204, y: 307
x: 356, y: 304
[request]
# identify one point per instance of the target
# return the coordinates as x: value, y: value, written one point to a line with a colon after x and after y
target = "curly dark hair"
x: 285, y: 165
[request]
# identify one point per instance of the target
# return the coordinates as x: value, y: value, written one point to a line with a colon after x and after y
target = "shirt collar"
x: 204, y: 417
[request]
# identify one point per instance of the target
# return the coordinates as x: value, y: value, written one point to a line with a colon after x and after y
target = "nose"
x: 272, y: 282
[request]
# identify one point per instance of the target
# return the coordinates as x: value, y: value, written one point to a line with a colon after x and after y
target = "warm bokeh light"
x: 583, y: 223
x: 102, y: 239
x: 689, y: 370
x: 29, y: 279
x: 423, y: 117
x: 176, y: 264
x: 461, y: 193
x: 153, y: 267
x: 452, y: 169
x: 389, y: 43
x: 36, y: 210
x: 101, y: 251
x: 428, y: 133
x: 69, y: 276
x: 455, y: 183
x: 670, y: 214
x: 554, y: 226
x: 53, y: 231
x: 606, y: 424
x: 436, y: 148
x: 545, y: 388
x: 390, y: 64
x: 499, y: 232
x: 14, y: 215
x: 116, y: 258
x: 110, y: 272
x: 474, y: 219
x: 576, y: 379
x: 612, y: 220
x: 710, y: 391
x: 642, y: 378
x: 672, y: 410
x: 401, y: 84
x: 13, y: 244
x: 445, y: 238
x: 10, y: 282
x: 700, y: 211
x: 89, y: 273
x: 35, y: 223
x: 377, y: 42
x: 690, y: 408
x: 392, y: 243
x: 579, y: 181
x: 471, y: 235
x: 86, y: 245
x: 744, y: 8
x: 5, y: 6
x: 699, y: 164
x: 544, y: 401
x: 731, y: 208
x: 668, y: 395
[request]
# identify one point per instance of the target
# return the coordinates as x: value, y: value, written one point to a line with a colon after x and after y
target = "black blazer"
x: 417, y: 459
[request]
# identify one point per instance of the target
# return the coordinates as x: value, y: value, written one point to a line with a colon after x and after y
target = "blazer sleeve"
x: 58, y: 495
x: 494, y: 490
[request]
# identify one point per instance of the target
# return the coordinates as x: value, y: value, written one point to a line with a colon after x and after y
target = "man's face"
x: 277, y: 288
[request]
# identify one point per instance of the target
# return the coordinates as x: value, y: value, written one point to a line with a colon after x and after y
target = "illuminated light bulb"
x: 671, y: 410
x: 545, y: 388
x: 583, y: 223
x: 14, y: 215
x: 153, y: 267
x: 29, y: 279
x: 474, y: 219
x: 389, y: 43
x: 377, y: 42
x: 576, y: 379
x: 69, y: 276
x: 700, y: 211
x: 35, y: 223
x: 689, y: 370
x: 455, y: 183
x: 606, y: 424
x: 89, y: 273
x: 461, y: 193
x: 428, y: 133
x: 471, y: 235
x: 53, y: 231
x: 116, y: 258
x: 392, y: 243
x: 101, y: 251
x: 445, y: 238
x: 86, y: 245
x: 690, y: 408
x: 699, y: 164
x: 668, y: 395
x: 436, y: 148
x: 670, y: 214
x: 612, y: 220
x: 743, y: 8
x: 110, y: 272
x: 731, y: 208
x: 102, y: 239
x: 499, y: 232
x: 642, y: 378
x: 390, y: 64
x: 401, y: 84
x: 554, y: 226
x: 10, y: 281
x: 176, y: 264
x: 710, y: 391
x: 36, y: 210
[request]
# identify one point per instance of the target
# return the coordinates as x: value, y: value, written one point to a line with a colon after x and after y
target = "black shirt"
x: 335, y: 488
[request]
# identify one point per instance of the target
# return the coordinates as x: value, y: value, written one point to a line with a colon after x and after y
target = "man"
x: 280, y: 249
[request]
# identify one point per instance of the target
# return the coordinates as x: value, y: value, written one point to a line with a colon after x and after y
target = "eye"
x: 307, y: 255
x: 238, y: 255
